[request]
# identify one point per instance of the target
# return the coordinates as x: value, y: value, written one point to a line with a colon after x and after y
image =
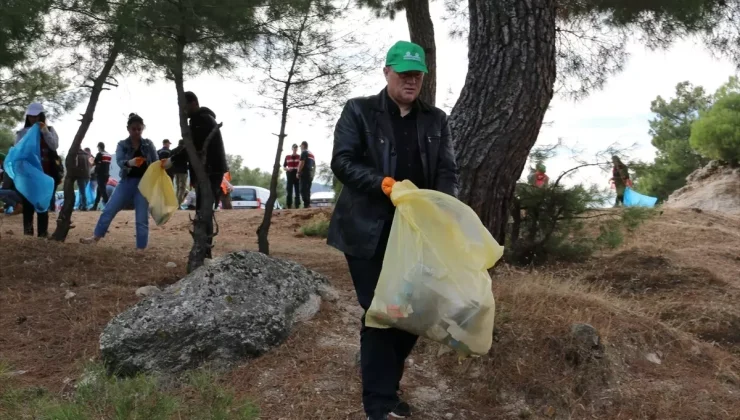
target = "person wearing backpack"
x: 78, y: 169
x: 306, y: 172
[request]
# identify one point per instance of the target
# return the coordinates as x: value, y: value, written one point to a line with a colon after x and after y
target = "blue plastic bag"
x: 23, y: 165
x: 89, y: 194
x: 634, y: 199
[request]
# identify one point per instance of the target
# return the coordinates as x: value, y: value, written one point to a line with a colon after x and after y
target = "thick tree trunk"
x: 421, y: 31
x: 64, y: 220
x: 203, y: 221
x: 509, y: 85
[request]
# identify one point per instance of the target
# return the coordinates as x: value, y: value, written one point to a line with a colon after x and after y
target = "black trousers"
x: 215, y: 181
x: 102, y: 191
x: 306, y: 183
x: 383, y: 352
x: 293, y: 186
x: 42, y: 220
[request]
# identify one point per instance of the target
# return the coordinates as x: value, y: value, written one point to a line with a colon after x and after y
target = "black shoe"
x: 402, y: 411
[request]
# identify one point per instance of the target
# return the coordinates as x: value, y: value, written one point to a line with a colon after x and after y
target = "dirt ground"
x: 665, y: 305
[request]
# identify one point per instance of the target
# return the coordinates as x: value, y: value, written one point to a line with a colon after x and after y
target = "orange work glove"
x: 387, y: 185
x: 140, y: 161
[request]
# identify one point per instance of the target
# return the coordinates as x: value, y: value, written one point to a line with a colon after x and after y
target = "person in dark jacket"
x: 306, y: 171
x: 102, y: 163
x: 378, y: 140
x: 165, y: 153
x: 78, y: 168
x: 202, y: 123
x: 180, y: 170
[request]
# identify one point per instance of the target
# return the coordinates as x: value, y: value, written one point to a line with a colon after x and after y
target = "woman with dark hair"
x: 620, y: 179
x: 133, y: 155
x: 49, y: 144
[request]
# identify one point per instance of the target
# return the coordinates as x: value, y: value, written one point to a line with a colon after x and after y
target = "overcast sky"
x: 618, y: 113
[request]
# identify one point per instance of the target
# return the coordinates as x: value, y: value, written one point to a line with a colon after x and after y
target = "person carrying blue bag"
x: 32, y: 165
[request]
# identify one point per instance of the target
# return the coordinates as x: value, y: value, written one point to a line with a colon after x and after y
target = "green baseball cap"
x: 406, y: 56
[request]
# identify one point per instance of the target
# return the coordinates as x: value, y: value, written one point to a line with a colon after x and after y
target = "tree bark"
x: 421, y: 31
x: 509, y: 85
x: 64, y: 220
x: 203, y: 220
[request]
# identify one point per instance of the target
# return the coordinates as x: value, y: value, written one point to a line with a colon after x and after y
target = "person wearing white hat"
x: 49, y: 162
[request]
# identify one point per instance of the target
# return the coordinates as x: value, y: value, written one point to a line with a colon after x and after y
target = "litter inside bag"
x: 23, y: 165
x: 434, y: 280
x: 156, y: 187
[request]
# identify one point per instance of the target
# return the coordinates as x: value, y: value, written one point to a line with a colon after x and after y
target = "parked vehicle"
x: 250, y: 197
x: 242, y: 197
x: 322, y: 199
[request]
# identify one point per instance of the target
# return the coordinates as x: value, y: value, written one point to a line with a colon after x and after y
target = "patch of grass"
x: 98, y: 396
x: 317, y: 227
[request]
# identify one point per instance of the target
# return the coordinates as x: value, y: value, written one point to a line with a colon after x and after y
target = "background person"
x: 49, y: 163
x: 102, y: 163
x: 306, y: 171
x: 290, y: 164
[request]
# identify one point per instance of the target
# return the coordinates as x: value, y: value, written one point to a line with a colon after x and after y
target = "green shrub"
x: 716, y: 134
x: 99, y: 396
x: 316, y: 228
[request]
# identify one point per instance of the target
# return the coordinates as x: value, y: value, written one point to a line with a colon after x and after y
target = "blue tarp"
x: 634, y: 199
x: 23, y: 165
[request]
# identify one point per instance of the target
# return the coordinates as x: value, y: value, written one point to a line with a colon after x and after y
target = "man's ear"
x: 386, y: 72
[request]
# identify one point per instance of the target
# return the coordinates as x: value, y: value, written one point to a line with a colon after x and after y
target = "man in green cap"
x: 380, y: 139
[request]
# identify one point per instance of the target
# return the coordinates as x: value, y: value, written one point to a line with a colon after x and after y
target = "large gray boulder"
x: 240, y: 306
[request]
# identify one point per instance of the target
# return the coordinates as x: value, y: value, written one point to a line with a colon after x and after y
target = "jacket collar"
x: 380, y: 102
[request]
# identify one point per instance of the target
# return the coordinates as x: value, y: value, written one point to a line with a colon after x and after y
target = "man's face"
x: 404, y: 87
x: 191, y: 107
x: 295, y: 150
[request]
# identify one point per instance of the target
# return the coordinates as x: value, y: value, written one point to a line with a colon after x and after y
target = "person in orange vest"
x: 226, y: 189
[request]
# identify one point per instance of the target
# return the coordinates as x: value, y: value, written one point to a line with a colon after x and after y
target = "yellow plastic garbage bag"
x: 156, y: 187
x: 435, y: 282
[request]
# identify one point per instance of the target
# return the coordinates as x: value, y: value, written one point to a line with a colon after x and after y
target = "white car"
x: 322, y: 199
x: 250, y: 197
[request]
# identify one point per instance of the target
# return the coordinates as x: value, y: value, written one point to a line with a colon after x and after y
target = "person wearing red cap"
x: 380, y: 139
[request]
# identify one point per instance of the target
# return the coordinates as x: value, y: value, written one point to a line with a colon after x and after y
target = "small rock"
x: 147, y: 291
x: 171, y: 265
x: 207, y: 262
x: 328, y: 293
x: 449, y: 415
x: 309, y: 308
x: 410, y: 362
x: 70, y: 294
x: 653, y: 358
x: 586, y: 335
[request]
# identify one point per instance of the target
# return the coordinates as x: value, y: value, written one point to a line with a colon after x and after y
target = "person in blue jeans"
x: 133, y: 155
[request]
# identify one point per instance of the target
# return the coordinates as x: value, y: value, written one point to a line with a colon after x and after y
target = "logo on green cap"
x: 406, y: 56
